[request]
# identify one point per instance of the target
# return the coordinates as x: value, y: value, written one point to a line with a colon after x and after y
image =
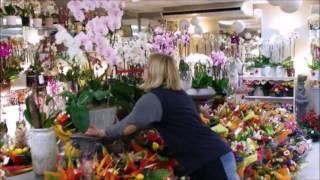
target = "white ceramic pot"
x: 186, y: 80
x: 49, y: 22
x: 11, y: 20
x: 315, y: 75
x: 257, y: 72
x: 1, y: 21
x: 37, y: 22
x: 43, y: 150
x: 280, y: 72
x: 267, y: 71
x: 273, y: 72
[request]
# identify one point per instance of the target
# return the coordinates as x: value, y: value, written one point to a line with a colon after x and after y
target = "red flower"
x: 152, y: 136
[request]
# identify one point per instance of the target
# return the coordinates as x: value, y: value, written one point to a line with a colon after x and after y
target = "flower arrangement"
x: 314, y: 21
x: 143, y: 159
x: 265, y: 139
x: 163, y: 42
x: 311, y: 124
x: 279, y: 89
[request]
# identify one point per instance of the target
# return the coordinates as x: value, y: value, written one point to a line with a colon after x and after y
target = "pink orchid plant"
x: 163, y: 42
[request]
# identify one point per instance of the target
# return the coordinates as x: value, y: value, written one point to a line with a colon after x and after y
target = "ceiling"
x: 158, y: 5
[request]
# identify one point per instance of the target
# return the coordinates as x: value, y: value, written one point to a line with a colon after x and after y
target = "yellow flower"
x: 140, y: 177
x: 155, y: 146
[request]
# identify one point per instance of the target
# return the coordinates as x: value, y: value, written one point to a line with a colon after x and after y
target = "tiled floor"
x: 311, y: 167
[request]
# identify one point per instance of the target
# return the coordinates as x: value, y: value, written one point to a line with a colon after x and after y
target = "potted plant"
x: 41, y: 112
x: 315, y: 70
x: 185, y: 75
x: 48, y: 19
x: 25, y: 14
x: 11, y: 14
x: 274, y: 69
x: 278, y: 90
x: 287, y: 64
x: 257, y: 67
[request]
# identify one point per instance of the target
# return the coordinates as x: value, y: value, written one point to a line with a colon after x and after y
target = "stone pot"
x: 11, y: 20
x: 49, y: 22
x: 102, y: 117
x: 43, y: 150
x: 25, y: 20
x: 37, y: 22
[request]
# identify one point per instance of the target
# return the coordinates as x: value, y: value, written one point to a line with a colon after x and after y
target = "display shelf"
x: 8, y: 31
x: 271, y: 99
x: 252, y: 78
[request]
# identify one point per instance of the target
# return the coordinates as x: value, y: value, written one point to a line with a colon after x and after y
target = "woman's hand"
x: 93, y: 131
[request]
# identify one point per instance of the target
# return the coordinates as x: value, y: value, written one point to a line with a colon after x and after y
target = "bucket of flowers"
x: 278, y: 90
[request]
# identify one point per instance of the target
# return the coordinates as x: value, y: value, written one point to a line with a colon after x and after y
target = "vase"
x: 49, y: 22
x: 186, y: 80
x: 5, y: 86
x: 37, y: 22
x: 267, y: 71
x: 280, y: 71
x: 11, y: 20
x: 315, y: 75
x: 257, y: 72
x: 25, y: 20
x: 43, y: 150
x: 258, y: 91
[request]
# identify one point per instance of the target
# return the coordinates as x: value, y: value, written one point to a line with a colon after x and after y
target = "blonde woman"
x: 200, y: 152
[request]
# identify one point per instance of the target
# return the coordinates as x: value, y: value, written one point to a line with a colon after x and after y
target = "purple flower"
x: 235, y: 39
x: 5, y: 50
x: 218, y: 58
x: 185, y: 38
x: 53, y: 87
x: 114, y: 24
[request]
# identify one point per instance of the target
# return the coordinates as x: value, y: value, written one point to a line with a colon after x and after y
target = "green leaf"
x: 69, y: 95
x: 85, y: 97
x: 100, y: 95
x: 162, y: 158
x: 48, y: 122
x: 80, y: 117
x: 159, y: 174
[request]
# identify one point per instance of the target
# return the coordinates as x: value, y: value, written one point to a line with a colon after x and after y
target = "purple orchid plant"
x: 163, y: 42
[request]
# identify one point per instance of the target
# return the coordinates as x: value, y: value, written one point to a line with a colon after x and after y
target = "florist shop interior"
x: 159, y: 89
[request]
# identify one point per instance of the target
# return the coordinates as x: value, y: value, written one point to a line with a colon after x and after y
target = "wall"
x: 274, y: 20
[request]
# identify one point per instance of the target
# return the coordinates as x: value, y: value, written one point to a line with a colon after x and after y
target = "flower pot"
x: 278, y: 94
x: 315, y: 75
x: 11, y: 20
x: 37, y: 22
x: 258, y: 91
x: 289, y: 93
x: 1, y: 21
x: 257, y: 72
x: 186, y: 80
x: 43, y: 150
x: 290, y: 72
x: 25, y: 21
x: 267, y: 71
x: 102, y: 117
x: 49, y: 22
x: 5, y: 86
x: 280, y: 71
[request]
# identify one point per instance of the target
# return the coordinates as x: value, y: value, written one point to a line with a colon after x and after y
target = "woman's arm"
x: 147, y: 110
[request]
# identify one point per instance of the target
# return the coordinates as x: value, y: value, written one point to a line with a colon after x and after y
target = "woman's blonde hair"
x: 161, y: 71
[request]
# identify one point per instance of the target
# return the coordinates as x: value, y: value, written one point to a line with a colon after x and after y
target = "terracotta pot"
x: 5, y: 86
x: 49, y: 22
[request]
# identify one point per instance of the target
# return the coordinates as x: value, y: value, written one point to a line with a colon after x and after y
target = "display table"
x: 26, y: 176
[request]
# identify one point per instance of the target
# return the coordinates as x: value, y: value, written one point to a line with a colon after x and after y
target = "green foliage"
x: 183, y: 66
x: 124, y: 93
x: 220, y: 86
x: 158, y: 174
x: 201, y: 80
x: 10, y: 10
x: 27, y: 11
x: 287, y: 63
x: 259, y: 62
x: 10, y: 73
x: 315, y: 65
x: 35, y: 117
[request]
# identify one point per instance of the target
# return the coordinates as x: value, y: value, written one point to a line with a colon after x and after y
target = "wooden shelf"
x: 252, y: 78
